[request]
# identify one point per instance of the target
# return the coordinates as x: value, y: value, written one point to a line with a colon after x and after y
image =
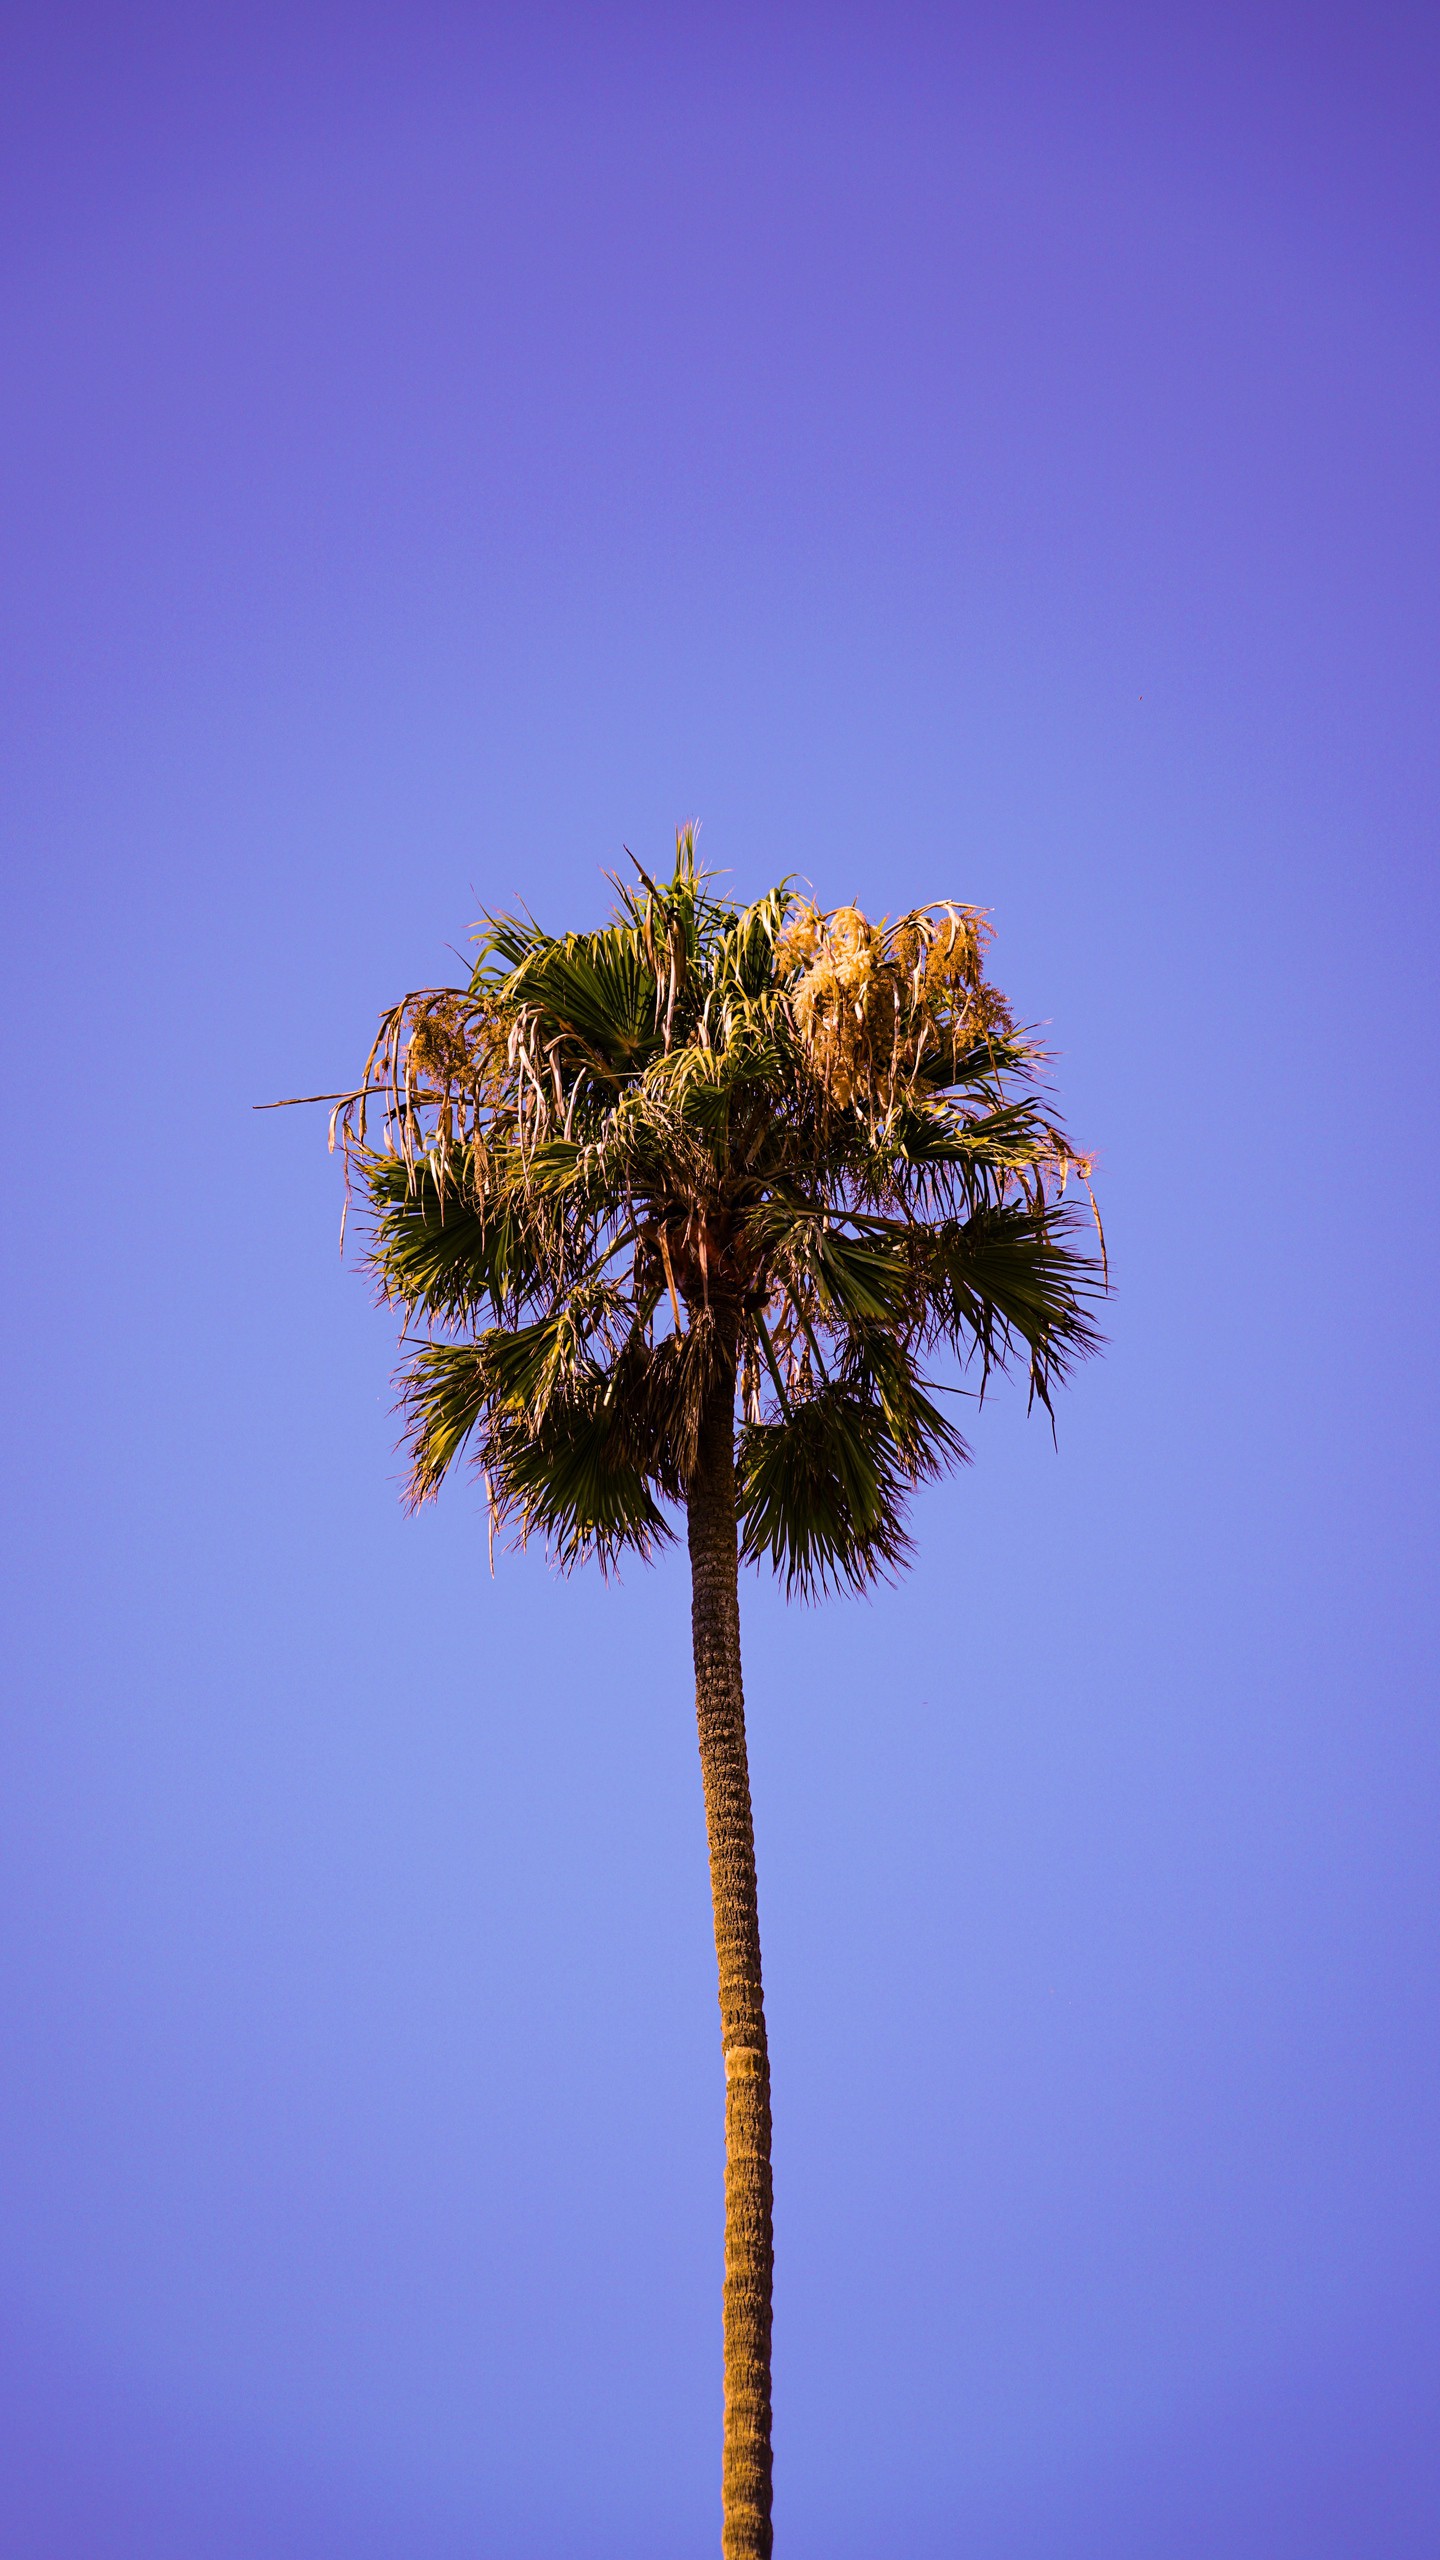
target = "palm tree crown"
x: 782, y: 1147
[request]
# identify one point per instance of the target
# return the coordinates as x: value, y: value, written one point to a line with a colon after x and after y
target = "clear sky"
x: 979, y: 452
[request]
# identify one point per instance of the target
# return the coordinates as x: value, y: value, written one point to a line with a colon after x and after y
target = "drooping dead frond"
x: 880, y: 1007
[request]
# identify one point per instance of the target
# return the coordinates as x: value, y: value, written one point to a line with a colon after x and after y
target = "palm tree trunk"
x: 749, y: 2249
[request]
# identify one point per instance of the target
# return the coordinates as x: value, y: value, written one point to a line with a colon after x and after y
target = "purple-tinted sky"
x: 975, y: 452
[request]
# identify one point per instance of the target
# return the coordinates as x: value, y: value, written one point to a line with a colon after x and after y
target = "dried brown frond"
x: 799, y: 941
x: 874, y: 1004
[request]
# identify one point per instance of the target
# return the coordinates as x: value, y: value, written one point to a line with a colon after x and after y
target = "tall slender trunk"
x: 749, y: 2247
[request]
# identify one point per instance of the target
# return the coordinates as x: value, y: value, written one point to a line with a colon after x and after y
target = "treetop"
x: 772, y: 1145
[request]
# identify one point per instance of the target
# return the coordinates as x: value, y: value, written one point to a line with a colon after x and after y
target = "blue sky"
x: 949, y: 454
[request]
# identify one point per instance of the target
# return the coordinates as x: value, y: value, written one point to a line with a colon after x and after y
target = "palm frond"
x: 821, y: 1494
x: 1014, y: 1275
x: 576, y: 1479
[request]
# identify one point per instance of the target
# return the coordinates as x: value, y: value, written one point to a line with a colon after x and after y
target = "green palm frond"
x: 1014, y: 1275
x: 443, y: 1249
x: 822, y: 1492
x: 576, y: 1479
x: 445, y: 1396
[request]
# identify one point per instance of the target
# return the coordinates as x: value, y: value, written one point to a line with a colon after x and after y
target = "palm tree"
x: 715, y: 1156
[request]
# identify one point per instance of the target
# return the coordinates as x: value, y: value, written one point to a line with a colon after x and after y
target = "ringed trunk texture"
x: 749, y: 2245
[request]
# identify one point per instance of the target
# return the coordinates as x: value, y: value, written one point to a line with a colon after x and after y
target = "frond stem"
x: 772, y: 1364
